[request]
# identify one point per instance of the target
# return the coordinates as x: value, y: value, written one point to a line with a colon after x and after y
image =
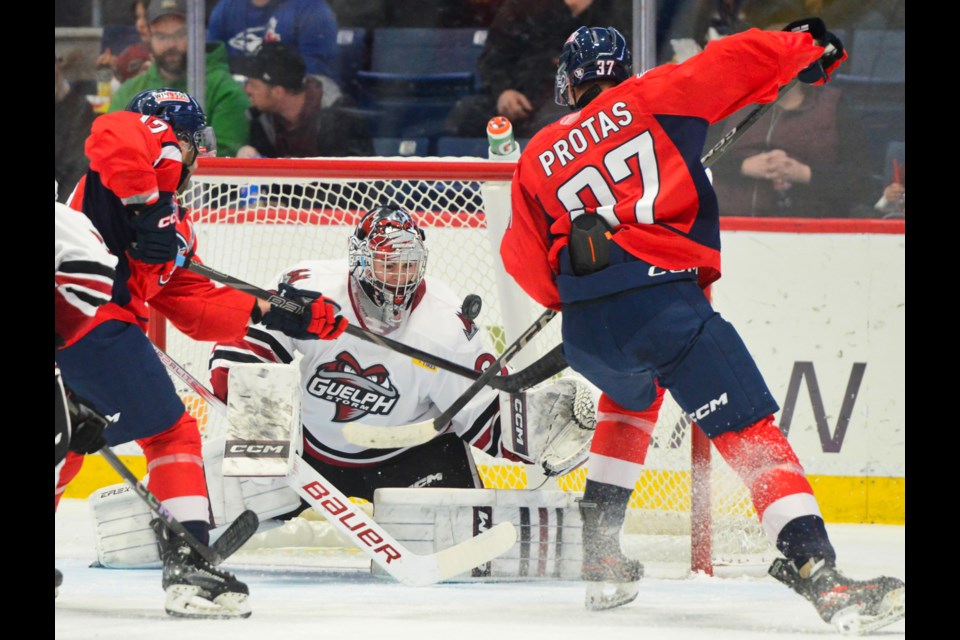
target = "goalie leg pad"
x: 229, y: 496
x: 552, y: 424
x: 549, y: 543
x: 124, y: 539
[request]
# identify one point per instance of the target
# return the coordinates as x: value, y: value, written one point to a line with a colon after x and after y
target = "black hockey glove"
x: 834, y: 53
x: 86, y: 426
x: 320, y: 318
x: 155, y: 231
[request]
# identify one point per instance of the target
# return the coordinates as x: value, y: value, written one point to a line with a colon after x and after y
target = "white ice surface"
x: 322, y: 601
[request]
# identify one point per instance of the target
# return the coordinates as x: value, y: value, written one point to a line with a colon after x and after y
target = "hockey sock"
x: 620, y: 442
x: 175, y: 466
x: 71, y: 467
x: 769, y: 467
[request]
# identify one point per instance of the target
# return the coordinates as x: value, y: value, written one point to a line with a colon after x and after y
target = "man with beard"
x: 225, y: 104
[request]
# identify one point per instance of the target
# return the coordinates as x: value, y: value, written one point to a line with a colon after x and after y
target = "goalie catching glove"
x: 552, y: 424
x: 320, y: 319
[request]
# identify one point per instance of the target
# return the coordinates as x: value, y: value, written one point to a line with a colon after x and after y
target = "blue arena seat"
x: 416, y: 76
x: 354, y: 56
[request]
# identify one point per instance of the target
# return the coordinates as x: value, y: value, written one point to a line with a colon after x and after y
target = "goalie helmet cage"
x: 690, y: 510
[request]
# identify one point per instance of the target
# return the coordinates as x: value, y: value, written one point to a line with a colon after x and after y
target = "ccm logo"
x: 240, y: 449
x: 708, y: 408
x: 519, y: 424
x: 360, y: 530
x: 171, y: 219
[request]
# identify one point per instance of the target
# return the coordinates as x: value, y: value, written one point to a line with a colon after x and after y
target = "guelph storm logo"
x: 355, y: 391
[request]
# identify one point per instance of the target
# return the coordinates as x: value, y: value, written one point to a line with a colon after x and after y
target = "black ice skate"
x: 194, y: 587
x: 58, y: 580
x: 853, y: 607
x: 612, y: 578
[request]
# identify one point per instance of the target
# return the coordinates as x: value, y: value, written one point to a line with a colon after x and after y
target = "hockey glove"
x: 155, y: 232
x: 86, y: 426
x: 319, y: 319
x: 834, y: 53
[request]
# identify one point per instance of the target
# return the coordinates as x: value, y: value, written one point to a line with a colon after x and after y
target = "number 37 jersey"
x: 632, y: 156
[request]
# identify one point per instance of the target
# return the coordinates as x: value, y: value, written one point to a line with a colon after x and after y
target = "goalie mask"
x: 387, y: 263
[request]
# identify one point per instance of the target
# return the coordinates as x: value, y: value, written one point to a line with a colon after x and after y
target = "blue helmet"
x: 182, y: 112
x: 592, y: 53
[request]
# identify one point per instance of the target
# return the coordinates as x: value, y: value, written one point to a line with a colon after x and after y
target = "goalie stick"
x: 407, y: 567
x: 232, y: 539
x: 546, y: 367
x: 409, y: 435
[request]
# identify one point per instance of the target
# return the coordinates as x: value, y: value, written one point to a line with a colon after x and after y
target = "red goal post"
x: 254, y: 217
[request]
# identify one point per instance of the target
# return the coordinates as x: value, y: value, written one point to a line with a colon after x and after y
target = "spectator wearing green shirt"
x: 225, y: 101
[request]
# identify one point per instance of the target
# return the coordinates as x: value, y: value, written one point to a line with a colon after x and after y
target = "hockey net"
x: 256, y: 217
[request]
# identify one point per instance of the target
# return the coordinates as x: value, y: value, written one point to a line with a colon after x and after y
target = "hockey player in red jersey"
x: 83, y: 278
x: 139, y: 160
x: 614, y: 222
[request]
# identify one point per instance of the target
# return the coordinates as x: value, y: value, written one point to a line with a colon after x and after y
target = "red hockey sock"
x: 71, y: 467
x: 620, y: 442
x: 175, y: 465
x: 769, y: 467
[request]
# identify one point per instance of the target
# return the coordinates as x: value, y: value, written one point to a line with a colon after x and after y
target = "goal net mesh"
x: 255, y: 218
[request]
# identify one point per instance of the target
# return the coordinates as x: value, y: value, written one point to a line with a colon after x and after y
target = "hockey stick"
x: 407, y: 567
x: 539, y: 371
x: 232, y: 539
x: 409, y: 435
x: 711, y: 156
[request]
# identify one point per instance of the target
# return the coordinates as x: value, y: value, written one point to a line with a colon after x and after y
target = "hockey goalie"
x: 382, y: 287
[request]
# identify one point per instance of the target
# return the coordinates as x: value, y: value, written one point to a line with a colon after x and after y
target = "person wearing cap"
x: 287, y: 119
x: 225, y: 103
x: 309, y: 26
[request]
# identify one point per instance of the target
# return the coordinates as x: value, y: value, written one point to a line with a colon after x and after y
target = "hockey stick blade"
x: 237, y: 534
x: 513, y: 383
x: 407, y: 567
x: 409, y: 435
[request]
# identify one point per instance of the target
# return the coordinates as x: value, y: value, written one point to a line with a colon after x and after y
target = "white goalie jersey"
x: 349, y: 379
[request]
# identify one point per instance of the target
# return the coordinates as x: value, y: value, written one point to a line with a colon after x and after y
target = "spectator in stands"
x: 309, y: 26
x: 135, y: 58
x: 518, y: 65
x: 287, y: 119
x: 225, y: 103
x: 72, y: 118
x: 806, y: 157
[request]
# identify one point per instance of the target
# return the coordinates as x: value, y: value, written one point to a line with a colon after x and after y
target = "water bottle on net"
x: 503, y: 144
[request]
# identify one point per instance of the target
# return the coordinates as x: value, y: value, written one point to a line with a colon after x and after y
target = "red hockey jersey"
x: 633, y: 156
x: 134, y: 159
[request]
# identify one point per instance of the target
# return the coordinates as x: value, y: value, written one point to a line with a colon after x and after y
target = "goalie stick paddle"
x: 539, y: 371
x: 407, y: 567
x: 232, y: 539
x: 410, y: 435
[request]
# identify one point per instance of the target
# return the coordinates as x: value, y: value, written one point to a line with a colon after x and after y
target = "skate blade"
x: 609, y: 595
x: 183, y: 601
x: 893, y: 607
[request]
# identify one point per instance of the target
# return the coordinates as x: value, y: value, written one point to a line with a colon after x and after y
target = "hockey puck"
x: 471, y: 306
